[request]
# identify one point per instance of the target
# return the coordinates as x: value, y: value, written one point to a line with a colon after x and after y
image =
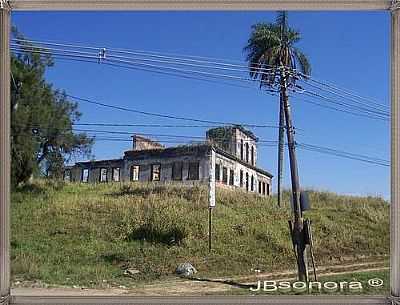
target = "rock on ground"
x: 185, y: 270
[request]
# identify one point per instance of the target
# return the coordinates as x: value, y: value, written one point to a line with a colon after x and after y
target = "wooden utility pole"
x: 281, y: 148
x: 281, y: 138
x: 298, y: 227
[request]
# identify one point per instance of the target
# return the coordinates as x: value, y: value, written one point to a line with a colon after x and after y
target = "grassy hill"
x: 83, y: 234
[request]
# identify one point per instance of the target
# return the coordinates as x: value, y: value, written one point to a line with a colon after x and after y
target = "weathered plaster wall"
x: 142, y: 143
x: 166, y: 168
x: 239, y: 136
x: 184, y: 155
x: 237, y: 167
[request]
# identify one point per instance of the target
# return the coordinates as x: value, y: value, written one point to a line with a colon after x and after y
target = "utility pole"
x: 298, y: 227
x: 281, y: 148
x: 297, y: 230
x: 281, y: 137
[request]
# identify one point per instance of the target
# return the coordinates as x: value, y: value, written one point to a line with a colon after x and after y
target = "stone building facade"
x: 235, y: 163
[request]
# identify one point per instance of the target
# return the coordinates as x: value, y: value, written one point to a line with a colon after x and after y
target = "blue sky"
x: 349, y: 49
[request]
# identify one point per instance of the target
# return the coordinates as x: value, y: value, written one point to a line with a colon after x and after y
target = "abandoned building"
x: 235, y: 163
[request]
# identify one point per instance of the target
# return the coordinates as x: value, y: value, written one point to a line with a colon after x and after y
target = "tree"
x: 271, y: 54
x: 42, y: 136
x: 273, y: 60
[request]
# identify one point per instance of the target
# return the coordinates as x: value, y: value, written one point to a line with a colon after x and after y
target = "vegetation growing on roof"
x: 222, y: 136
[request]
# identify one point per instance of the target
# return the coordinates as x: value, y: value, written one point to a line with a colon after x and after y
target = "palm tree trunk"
x: 281, y: 148
x: 298, y: 232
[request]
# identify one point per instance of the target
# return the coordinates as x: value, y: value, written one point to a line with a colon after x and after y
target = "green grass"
x: 85, y: 234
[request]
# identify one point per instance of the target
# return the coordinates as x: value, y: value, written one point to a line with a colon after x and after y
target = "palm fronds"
x: 271, y: 46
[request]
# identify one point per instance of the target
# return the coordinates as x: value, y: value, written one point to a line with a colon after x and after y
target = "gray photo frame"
x: 113, y: 5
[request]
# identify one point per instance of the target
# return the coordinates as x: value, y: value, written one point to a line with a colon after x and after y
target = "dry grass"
x: 83, y: 234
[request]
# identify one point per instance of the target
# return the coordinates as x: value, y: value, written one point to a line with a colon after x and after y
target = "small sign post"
x: 211, y: 195
x: 209, y: 228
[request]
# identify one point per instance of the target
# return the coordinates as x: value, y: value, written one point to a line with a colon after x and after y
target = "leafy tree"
x: 273, y: 59
x: 42, y: 137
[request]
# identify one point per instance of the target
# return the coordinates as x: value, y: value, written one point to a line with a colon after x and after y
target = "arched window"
x: 217, y: 172
x: 247, y: 181
x: 252, y: 155
x: 241, y: 149
x: 247, y: 152
x: 252, y: 183
x: 231, y: 177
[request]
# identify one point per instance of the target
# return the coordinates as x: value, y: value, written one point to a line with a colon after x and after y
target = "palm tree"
x: 271, y: 55
x: 273, y: 60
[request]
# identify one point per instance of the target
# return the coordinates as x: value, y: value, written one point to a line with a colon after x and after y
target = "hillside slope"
x: 77, y: 234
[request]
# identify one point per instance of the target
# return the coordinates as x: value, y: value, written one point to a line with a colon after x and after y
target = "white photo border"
x: 6, y: 7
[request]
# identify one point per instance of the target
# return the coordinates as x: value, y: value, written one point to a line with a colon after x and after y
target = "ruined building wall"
x: 166, y: 168
x: 224, y: 138
x: 142, y: 143
x: 228, y: 165
x: 241, y: 139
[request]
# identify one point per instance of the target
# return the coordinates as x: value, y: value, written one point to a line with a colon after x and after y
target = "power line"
x: 307, y: 78
x: 159, y: 125
x: 175, y: 62
x: 139, y: 63
x: 308, y: 92
x: 164, y: 60
x: 131, y: 133
x: 261, y: 143
x: 188, y: 62
x: 185, y: 59
x: 360, y: 104
x: 157, y: 70
x: 314, y: 94
x: 318, y: 104
x: 343, y: 154
x: 165, y: 125
x: 178, y: 58
x: 338, y: 109
x: 361, y: 109
x: 313, y: 148
x: 161, y: 115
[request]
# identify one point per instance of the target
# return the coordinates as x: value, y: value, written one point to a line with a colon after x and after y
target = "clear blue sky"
x: 350, y: 49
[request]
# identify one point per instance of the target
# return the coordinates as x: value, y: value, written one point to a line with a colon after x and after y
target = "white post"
x: 211, y: 184
x: 4, y: 152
